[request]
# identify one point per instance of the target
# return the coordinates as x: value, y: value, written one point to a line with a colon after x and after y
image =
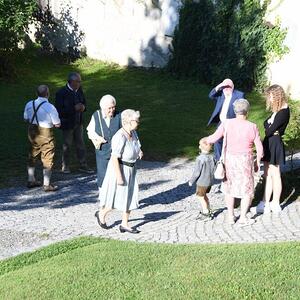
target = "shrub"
x: 216, y: 39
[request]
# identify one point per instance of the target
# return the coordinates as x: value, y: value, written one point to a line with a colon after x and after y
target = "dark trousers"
x: 218, y: 148
x: 76, y: 135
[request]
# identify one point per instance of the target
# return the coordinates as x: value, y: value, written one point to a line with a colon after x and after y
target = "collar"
x: 104, y: 116
x: 42, y: 99
x: 69, y: 87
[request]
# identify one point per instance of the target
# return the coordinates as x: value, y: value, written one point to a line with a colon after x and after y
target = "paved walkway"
x: 30, y: 219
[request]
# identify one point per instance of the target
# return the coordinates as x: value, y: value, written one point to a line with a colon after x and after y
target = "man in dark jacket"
x: 70, y: 104
x: 224, y: 95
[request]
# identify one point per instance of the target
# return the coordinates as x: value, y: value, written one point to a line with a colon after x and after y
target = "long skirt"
x: 239, y: 182
x: 121, y: 197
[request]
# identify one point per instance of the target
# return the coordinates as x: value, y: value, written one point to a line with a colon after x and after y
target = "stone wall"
x: 139, y: 32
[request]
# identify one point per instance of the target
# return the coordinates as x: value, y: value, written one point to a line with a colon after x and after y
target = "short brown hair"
x: 279, y: 97
x: 204, y: 146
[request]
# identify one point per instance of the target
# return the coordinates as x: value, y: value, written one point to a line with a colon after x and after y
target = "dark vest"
x: 108, y: 132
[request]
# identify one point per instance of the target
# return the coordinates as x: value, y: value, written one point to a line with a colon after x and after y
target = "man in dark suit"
x: 224, y: 94
x: 70, y: 104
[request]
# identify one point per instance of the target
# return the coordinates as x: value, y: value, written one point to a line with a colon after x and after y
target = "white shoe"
x: 260, y: 208
x: 275, y: 208
x: 267, y: 209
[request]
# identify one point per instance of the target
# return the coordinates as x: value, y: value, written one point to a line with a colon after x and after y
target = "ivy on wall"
x: 216, y: 39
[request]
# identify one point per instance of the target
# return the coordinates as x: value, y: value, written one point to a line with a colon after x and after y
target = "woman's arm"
x: 279, y: 120
x: 117, y: 169
x: 258, y: 147
x: 217, y: 135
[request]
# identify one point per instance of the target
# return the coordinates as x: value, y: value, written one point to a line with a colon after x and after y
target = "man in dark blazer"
x: 70, y: 104
x: 224, y: 95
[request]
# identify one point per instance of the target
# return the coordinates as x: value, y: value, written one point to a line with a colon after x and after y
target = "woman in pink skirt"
x: 239, y: 164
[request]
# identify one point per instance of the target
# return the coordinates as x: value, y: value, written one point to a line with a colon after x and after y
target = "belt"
x: 125, y: 163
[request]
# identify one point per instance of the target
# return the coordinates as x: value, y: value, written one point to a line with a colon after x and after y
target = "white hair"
x: 241, y: 106
x: 129, y: 115
x: 106, y: 100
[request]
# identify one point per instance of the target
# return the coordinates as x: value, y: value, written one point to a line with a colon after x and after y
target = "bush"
x: 15, y: 17
x: 216, y: 39
x: 292, y: 133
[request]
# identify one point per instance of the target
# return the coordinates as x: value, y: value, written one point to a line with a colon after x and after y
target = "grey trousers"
x: 101, y: 167
x: 76, y: 135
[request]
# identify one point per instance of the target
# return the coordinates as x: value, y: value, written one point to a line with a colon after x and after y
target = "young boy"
x: 204, y: 175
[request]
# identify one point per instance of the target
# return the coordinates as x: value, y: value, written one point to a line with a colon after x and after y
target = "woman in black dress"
x: 274, y: 152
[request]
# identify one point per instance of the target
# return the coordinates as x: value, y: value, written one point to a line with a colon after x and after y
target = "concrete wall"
x: 138, y: 32
x: 126, y: 32
x: 286, y: 71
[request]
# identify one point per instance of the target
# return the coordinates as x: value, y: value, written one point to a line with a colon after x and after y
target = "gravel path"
x: 30, y: 219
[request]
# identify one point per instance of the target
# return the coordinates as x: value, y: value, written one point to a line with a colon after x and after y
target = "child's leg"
x: 204, y: 203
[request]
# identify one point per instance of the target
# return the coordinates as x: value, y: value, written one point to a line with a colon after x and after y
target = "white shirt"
x: 91, y: 127
x: 225, y: 106
x: 47, y: 114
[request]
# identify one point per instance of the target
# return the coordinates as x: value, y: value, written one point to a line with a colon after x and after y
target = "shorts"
x: 201, y: 191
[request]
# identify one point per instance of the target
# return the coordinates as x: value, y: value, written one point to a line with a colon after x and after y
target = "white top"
x: 91, y: 127
x: 47, y: 114
x: 224, y: 110
x: 124, y: 148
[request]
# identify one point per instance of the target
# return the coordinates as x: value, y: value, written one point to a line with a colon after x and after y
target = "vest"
x: 108, y: 132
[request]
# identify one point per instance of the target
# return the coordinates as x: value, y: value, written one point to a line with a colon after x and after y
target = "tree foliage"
x: 216, y: 39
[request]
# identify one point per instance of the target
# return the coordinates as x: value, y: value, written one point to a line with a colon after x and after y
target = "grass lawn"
x: 90, y: 268
x: 174, y: 112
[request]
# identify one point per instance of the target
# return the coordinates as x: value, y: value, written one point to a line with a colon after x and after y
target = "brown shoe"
x: 33, y: 184
x: 50, y: 188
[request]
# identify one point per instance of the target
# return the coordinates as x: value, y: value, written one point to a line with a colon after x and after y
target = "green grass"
x: 174, y: 112
x: 106, y: 269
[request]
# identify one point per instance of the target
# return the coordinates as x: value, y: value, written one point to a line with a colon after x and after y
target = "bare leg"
x: 269, y: 183
x: 103, y: 213
x: 245, y: 204
x: 125, y: 219
x: 204, y: 203
x: 277, y: 184
x: 230, y: 207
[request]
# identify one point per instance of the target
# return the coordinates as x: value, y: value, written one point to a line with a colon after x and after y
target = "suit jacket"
x: 65, y: 101
x: 219, y: 97
x: 106, y: 132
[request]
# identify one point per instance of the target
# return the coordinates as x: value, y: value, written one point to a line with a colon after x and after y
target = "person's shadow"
x: 175, y: 194
x: 150, y: 217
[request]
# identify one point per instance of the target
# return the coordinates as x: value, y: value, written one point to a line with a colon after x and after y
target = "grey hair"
x: 241, y: 106
x: 42, y: 91
x: 106, y: 100
x: 129, y: 115
x: 73, y: 76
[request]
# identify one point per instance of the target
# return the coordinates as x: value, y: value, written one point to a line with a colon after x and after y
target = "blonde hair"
x: 204, y: 146
x: 279, y: 97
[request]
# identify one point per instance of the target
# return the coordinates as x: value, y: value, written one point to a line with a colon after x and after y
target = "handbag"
x: 220, y: 172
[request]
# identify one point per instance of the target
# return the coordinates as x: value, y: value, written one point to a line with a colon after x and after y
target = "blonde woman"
x: 274, y: 152
x: 120, y: 188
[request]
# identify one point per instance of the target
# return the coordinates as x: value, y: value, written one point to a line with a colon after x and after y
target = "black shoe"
x: 50, y: 188
x: 131, y: 230
x: 102, y: 225
x: 33, y: 184
x: 85, y: 169
x: 205, y: 217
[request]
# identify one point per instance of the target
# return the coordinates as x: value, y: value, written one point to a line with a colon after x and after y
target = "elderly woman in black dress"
x: 274, y: 152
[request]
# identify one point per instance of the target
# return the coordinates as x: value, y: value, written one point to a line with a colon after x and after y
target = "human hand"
x: 141, y: 154
x: 120, y: 181
x: 256, y: 166
x: 189, y: 183
x: 79, y: 107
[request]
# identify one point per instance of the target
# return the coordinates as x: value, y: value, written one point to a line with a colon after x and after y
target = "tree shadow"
x: 58, y: 34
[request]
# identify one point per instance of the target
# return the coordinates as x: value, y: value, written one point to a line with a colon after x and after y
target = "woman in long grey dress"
x: 120, y: 188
